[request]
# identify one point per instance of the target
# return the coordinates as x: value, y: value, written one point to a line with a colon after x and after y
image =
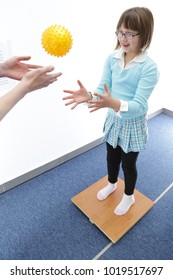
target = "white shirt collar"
x: 119, y: 54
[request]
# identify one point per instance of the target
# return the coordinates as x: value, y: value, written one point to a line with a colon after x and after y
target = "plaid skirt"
x: 130, y: 134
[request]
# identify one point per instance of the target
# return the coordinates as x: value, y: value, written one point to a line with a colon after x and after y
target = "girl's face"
x: 129, y: 40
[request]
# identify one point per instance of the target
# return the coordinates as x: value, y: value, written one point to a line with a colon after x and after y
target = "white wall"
x: 40, y: 128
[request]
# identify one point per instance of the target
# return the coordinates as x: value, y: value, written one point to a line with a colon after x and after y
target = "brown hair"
x: 139, y: 19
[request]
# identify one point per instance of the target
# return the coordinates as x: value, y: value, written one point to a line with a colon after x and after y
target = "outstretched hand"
x: 15, y: 69
x: 39, y: 78
x: 103, y: 100
x: 32, y: 80
x: 77, y: 96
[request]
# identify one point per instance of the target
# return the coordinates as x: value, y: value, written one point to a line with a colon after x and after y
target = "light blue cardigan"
x: 133, y: 85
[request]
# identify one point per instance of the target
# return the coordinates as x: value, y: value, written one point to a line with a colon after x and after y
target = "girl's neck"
x: 128, y: 57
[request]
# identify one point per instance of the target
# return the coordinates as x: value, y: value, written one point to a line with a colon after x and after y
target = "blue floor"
x: 151, y: 238
x: 38, y: 220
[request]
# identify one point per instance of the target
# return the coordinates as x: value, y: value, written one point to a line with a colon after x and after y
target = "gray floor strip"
x: 103, y: 251
x: 163, y: 193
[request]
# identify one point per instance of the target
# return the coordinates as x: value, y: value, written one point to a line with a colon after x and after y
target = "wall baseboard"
x: 168, y: 112
x: 154, y: 114
x: 48, y: 166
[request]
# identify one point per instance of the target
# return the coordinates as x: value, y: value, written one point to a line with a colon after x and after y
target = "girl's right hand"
x: 77, y: 96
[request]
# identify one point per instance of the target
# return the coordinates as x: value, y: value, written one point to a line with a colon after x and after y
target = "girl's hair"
x: 139, y: 19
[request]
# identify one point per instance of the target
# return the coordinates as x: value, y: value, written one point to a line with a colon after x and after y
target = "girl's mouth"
x: 125, y: 45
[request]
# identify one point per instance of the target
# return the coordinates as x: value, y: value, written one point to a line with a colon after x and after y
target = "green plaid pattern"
x: 130, y: 134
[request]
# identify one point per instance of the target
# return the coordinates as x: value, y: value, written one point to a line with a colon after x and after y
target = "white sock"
x: 125, y: 204
x: 103, y: 193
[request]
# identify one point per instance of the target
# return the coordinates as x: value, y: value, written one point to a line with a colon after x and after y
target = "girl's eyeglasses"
x: 127, y: 35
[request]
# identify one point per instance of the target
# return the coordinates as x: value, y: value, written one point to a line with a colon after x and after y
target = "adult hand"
x: 39, y: 78
x: 15, y: 69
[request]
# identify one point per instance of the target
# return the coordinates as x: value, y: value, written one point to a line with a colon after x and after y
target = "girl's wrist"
x: 91, y: 95
x: 116, y: 105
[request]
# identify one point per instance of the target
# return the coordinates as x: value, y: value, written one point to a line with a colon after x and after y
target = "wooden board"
x: 101, y: 213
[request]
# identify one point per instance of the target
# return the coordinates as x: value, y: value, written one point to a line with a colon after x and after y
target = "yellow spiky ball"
x: 57, y: 40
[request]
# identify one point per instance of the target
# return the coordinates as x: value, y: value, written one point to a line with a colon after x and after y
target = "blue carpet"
x: 151, y: 238
x: 38, y: 220
x: 155, y: 164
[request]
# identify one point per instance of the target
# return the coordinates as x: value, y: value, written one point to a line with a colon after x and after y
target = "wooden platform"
x: 101, y: 213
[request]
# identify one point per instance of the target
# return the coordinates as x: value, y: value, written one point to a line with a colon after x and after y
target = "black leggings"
x: 114, y: 158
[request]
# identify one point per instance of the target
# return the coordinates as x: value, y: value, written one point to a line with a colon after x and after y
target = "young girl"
x: 128, y: 79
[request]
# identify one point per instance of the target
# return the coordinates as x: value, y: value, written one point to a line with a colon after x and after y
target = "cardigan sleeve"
x: 148, y: 79
x: 106, y: 76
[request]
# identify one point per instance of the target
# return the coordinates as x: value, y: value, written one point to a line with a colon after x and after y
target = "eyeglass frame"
x: 124, y: 34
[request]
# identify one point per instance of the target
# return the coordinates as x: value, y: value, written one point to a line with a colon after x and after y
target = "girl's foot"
x: 105, y: 192
x: 125, y: 204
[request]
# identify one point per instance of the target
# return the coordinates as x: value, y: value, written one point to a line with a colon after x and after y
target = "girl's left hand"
x: 104, y: 100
